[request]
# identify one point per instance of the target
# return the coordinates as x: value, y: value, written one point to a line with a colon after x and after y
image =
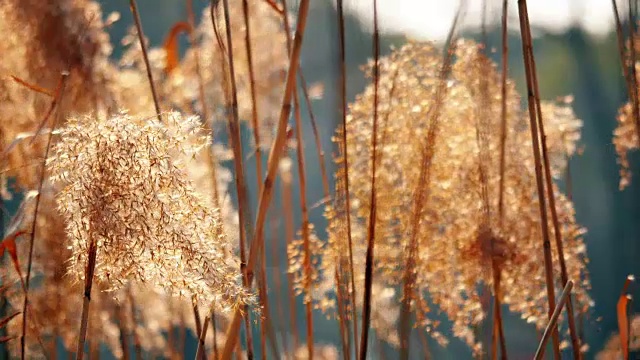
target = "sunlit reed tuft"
x: 457, y: 242
x: 124, y: 186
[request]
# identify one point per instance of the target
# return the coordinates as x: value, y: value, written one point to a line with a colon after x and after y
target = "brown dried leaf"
x: 9, y: 244
x: 171, y: 44
x: 33, y: 87
x: 5, y: 339
x: 623, y: 319
x: 4, y: 321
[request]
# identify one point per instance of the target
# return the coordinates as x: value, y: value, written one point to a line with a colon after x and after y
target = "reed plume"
x: 124, y: 187
x: 458, y: 234
x: 42, y: 40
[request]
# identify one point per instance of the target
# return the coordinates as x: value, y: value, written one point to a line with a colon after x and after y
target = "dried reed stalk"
x: 200, y: 351
x: 199, y: 329
x: 316, y: 135
x: 275, y: 154
x: 234, y: 134
x: 54, y: 105
x: 345, y: 160
x: 254, y: 105
x: 196, y: 49
x: 205, y: 121
x: 629, y: 81
x: 575, y: 342
x: 342, y: 313
x: 527, y: 50
x: 136, y: 17
x: 422, y: 190
x: 287, y: 203
x: 503, y: 141
x: 497, y: 308
x: 302, y: 183
x: 371, y: 232
x: 88, y: 282
x: 258, y: 157
x: 553, y: 320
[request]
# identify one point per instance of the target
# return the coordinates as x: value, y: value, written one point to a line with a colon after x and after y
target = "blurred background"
x: 576, y: 53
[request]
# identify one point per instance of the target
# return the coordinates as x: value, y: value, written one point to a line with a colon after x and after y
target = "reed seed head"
x: 125, y: 187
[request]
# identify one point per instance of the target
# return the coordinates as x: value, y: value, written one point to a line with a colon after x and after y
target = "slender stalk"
x: 306, y: 264
x: 345, y: 160
x: 527, y: 50
x: 632, y: 89
x: 316, y: 136
x: 196, y: 51
x: 236, y: 144
x: 422, y: 191
x: 553, y: 320
x: 54, y: 105
x: 258, y: 155
x: 203, y: 103
x: 4, y: 307
x: 205, y: 121
x: 503, y: 110
x: 275, y: 154
x: 200, y: 330
x: 252, y: 83
x: 409, y: 277
x: 575, y: 342
x: 200, y: 351
x: 136, y: 17
x: 319, y: 151
x: 88, y: 283
x: 342, y: 313
x: 573, y: 333
x: 225, y: 83
x: 287, y: 203
x: 371, y: 232
x: 497, y: 311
